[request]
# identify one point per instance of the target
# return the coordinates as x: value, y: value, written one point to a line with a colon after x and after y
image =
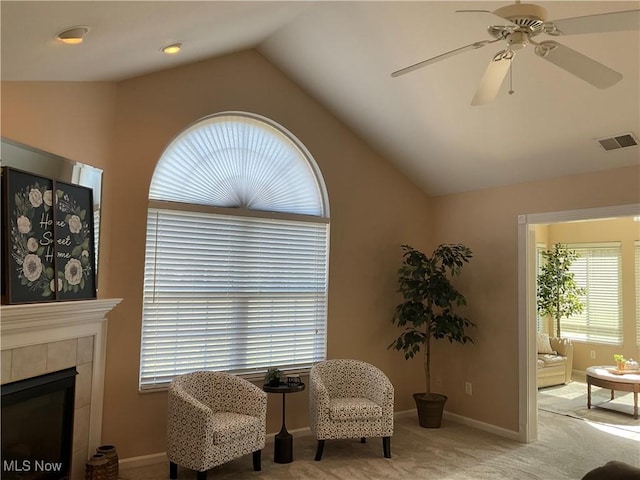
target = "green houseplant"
x: 557, y: 291
x: 272, y: 377
x: 428, y: 312
x: 620, y: 361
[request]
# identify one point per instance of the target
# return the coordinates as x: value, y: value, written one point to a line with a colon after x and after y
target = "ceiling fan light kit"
x: 526, y: 21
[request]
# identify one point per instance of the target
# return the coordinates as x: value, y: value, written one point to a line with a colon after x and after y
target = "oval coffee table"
x: 604, y: 376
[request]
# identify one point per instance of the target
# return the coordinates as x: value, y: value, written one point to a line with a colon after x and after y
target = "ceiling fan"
x: 523, y: 23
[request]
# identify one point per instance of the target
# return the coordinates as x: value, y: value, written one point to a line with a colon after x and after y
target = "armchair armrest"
x: 380, y: 389
x: 188, y: 423
x: 318, y: 399
x: 563, y: 346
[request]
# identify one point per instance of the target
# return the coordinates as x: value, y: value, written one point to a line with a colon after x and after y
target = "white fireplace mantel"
x: 32, y: 324
x: 23, y: 319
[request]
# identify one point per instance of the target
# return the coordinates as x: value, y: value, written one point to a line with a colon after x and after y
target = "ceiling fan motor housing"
x: 527, y: 21
x: 522, y: 11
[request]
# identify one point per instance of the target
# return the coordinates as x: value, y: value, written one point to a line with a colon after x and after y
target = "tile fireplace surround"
x: 46, y: 337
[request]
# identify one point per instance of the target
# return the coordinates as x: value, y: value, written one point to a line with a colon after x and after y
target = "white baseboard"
x: 143, y: 461
x: 486, y: 427
x: 406, y: 413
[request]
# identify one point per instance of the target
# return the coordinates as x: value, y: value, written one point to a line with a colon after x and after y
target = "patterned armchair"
x: 350, y: 399
x: 213, y: 418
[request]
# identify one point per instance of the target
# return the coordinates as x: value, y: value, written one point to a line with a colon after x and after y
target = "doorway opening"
x: 528, y: 405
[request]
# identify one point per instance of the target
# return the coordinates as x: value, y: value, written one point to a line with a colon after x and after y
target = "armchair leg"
x: 257, y: 460
x: 386, y: 446
x: 363, y: 440
x: 173, y: 471
x: 202, y: 475
x: 319, y: 450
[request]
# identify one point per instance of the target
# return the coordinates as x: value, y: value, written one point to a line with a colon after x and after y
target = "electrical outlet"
x: 468, y: 389
x: 593, y: 354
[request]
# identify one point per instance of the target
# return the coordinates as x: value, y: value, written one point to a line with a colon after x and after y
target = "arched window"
x: 236, y: 254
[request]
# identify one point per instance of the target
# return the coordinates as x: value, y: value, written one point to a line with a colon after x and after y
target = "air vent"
x: 619, y: 141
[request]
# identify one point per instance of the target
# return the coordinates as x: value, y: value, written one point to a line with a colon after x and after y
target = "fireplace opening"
x: 37, y: 427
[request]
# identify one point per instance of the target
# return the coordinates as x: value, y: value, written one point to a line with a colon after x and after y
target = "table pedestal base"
x: 283, y: 447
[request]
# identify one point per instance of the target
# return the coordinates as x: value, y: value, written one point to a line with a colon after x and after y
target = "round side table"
x: 283, y: 442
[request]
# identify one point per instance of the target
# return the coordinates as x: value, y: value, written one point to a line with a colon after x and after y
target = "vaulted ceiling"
x: 343, y: 53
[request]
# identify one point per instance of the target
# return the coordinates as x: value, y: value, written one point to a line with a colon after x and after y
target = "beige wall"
x: 626, y: 231
x: 71, y: 119
x: 374, y: 209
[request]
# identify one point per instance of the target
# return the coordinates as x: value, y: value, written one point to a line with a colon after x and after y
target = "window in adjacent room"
x: 637, y: 262
x: 598, y: 270
x: 236, y: 254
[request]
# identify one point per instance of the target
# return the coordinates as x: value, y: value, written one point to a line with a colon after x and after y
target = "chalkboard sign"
x: 47, y: 239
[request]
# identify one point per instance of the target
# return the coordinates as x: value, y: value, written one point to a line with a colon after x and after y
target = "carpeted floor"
x: 567, y: 448
x: 571, y: 400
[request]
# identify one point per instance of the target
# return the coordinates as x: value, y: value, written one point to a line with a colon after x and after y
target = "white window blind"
x: 236, y: 255
x: 231, y: 293
x: 598, y: 270
x: 637, y: 261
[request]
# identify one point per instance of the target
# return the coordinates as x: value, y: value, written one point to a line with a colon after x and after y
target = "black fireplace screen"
x: 37, y: 427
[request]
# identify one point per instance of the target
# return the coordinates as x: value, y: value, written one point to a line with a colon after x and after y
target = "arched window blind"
x: 236, y: 255
x: 599, y: 271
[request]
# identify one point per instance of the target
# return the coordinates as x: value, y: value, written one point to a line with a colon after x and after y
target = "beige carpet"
x: 567, y: 448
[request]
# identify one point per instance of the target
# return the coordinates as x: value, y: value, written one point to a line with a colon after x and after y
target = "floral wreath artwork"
x: 50, y: 249
x: 74, y: 239
x: 33, y: 257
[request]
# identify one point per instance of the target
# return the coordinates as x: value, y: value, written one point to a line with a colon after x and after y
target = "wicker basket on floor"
x: 96, y: 468
x: 110, y: 453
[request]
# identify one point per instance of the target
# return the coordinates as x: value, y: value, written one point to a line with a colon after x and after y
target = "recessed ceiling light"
x: 172, y: 49
x: 73, y: 36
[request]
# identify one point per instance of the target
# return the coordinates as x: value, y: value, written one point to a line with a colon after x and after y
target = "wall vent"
x: 619, y: 141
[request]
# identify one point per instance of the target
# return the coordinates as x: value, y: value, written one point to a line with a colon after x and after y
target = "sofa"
x: 554, y: 361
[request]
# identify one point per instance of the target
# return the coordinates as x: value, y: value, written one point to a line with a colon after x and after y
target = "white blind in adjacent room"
x: 598, y: 270
x: 637, y: 261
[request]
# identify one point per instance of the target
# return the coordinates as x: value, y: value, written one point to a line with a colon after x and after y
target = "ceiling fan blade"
x: 496, y: 17
x: 576, y: 63
x: 603, y: 22
x: 493, y: 78
x: 443, y: 56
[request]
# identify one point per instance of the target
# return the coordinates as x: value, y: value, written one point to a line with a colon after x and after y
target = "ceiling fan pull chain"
x: 511, y: 76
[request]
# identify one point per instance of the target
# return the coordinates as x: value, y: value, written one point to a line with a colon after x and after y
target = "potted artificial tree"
x: 558, y: 293
x: 428, y: 312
